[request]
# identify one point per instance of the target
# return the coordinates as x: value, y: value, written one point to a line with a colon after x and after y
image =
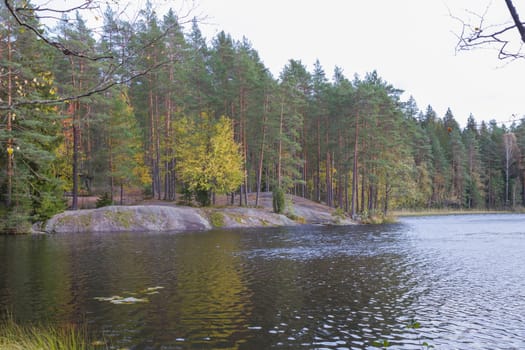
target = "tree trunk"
x: 354, y: 169
x: 121, y: 193
x: 76, y: 83
x: 347, y: 204
x: 328, y: 180
x: 318, y: 177
x: 340, y: 172
x: 9, y: 126
x: 387, y: 197
x: 167, y: 147
x: 74, y: 204
x: 280, y: 148
x: 110, y: 166
x: 261, y: 155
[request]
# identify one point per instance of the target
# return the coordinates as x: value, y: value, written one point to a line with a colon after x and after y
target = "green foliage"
x: 203, y: 197
x: 187, y: 196
x: 124, y: 144
x: 15, y: 220
x: 30, y: 133
x: 339, y: 213
x: 48, y: 205
x: 104, y: 200
x: 301, y: 131
x: 278, y: 200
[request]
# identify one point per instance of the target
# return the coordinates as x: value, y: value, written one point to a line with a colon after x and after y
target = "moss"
x: 378, y: 219
x: 216, y: 219
x: 149, y: 218
x: 339, y: 213
x: 296, y: 218
x: 122, y: 218
x: 80, y: 220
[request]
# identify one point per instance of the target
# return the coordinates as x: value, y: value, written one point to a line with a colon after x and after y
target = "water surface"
x: 461, y: 277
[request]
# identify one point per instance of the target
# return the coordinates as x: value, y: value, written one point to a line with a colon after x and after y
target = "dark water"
x: 461, y: 277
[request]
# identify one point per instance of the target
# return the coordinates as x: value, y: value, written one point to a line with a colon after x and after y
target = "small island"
x: 167, y: 217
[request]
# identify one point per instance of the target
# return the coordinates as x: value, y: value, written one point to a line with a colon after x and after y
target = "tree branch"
x: 111, y: 77
x: 496, y: 36
x: 103, y: 86
x: 516, y: 19
x: 65, y: 50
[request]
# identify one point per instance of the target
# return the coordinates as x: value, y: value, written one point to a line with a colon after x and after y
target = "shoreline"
x: 168, y: 217
x: 442, y: 212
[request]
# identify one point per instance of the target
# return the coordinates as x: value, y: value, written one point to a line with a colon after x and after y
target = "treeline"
x: 350, y: 143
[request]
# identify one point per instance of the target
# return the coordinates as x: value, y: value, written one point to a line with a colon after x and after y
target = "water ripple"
x: 461, y: 278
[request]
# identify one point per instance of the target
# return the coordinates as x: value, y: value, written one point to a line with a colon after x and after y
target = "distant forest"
x: 157, y: 109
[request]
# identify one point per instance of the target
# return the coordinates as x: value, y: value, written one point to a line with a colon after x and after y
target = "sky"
x: 410, y: 43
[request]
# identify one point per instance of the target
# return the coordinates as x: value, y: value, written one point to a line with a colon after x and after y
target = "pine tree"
x: 456, y: 156
x: 474, y: 194
x: 75, y: 75
x: 341, y: 133
x: 317, y: 127
x: 294, y: 90
x: 199, y: 88
x: 124, y: 147
x: 491, y: 146
x: 31, y: 133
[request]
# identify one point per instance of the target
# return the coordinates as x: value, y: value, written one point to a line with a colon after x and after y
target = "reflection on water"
x: 293, y: 288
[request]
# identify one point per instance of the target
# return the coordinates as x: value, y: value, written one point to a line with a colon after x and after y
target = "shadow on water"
x: 306, y: 287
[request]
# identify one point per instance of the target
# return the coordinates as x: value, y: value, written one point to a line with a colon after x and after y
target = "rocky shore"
x: 172, y: 218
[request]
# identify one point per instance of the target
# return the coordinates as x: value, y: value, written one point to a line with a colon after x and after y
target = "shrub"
x: 203, y: 197
x: 104, y: 200
x: 296, y: 218
x: 49, y: 205
x: 278, y: 200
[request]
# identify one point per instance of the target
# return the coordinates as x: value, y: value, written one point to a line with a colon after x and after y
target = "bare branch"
x: 115, y: 65
x: 65, y: 50
x: 101, y: 87
x: 498, y: 37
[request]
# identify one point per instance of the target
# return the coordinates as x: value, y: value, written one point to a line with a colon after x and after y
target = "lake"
x: 462, y: 278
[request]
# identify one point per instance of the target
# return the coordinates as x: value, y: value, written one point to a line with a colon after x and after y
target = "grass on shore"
x: 17, y: 337
x: 435, y: 212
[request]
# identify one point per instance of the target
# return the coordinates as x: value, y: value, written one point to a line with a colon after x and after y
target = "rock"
x: 250, y: 217
x: 138, y: 218
x: 166, y: 218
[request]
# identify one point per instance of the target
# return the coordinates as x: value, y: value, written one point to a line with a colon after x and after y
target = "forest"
x: 177, y: 117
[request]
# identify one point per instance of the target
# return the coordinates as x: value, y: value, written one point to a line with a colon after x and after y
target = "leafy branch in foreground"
x: 118, y: 68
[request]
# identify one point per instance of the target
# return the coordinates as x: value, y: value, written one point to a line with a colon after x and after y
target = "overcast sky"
x: 411, y: 44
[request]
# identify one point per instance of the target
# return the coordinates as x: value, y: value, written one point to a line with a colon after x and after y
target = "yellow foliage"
x: 208, y: 156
